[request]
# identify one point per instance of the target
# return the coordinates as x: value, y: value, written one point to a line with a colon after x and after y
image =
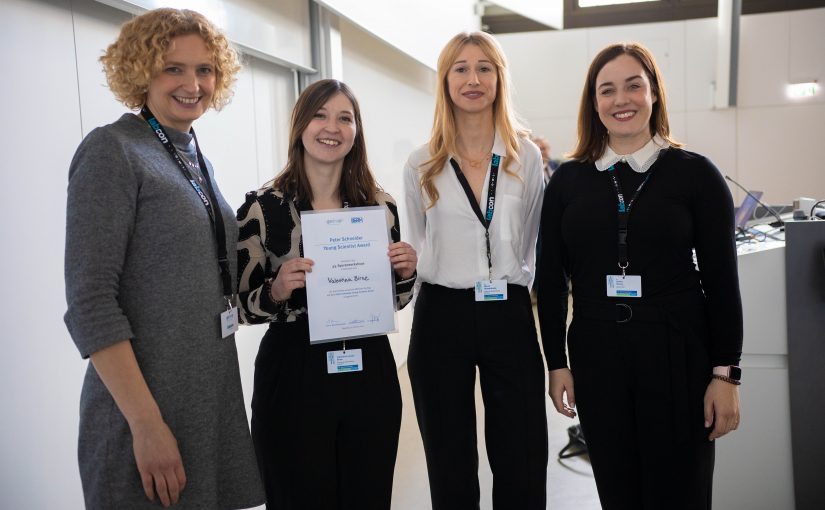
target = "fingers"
x: 561, y: 382
x: 299, y: 264
x: 721, y: 408
x: 180, y: 474
x: 403, y: 259
x: 148, y: 485
x: 169, y: 481
x: 571, y: 399
x: 725, y: 422
x: 291, y: 276
x: 161, y: 487
x: 708, y: 409
x: 159, y: 462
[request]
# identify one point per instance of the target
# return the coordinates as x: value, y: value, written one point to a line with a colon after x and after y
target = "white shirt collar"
x: 640, y: 161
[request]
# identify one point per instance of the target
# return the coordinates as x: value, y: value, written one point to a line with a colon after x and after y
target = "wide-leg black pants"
x: 324, y: 441
x: 640, y: 388
x: 452, y: 334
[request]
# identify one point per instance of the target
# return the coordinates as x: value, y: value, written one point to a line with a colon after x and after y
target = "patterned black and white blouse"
x: 270, y: 234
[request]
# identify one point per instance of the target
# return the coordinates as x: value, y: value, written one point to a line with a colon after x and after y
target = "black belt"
x: 661, y: 311
x: 620, y: 312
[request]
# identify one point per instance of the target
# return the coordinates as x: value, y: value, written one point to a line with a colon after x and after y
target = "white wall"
x: 768, y: 142
x: 395, y: 93
x: 418, y: 28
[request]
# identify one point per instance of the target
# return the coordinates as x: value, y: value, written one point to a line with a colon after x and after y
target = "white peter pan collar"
x: 640, y: 161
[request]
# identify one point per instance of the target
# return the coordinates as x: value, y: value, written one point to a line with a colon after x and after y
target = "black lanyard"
x: 215, y: 218
x: 624, y: 212
x: 487, y: 219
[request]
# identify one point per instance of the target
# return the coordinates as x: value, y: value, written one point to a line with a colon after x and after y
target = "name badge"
x: 624, y: 286
x: 495, y: 290
x: 344, y: 361
x: 229, y: 322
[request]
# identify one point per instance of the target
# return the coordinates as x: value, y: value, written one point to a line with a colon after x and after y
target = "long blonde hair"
x: 443, y: 138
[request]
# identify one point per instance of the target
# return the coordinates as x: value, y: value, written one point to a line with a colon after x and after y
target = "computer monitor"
x: 745, y: 211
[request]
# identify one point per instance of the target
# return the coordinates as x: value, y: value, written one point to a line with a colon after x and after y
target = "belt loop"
x: 619, y: 306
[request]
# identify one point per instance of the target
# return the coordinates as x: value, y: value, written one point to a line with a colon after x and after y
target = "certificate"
x: 351, y: 289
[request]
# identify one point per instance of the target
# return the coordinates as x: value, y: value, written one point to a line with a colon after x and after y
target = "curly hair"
x: 137, y: 55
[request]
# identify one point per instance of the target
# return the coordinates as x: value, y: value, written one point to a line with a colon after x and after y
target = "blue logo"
x: 357, y: 219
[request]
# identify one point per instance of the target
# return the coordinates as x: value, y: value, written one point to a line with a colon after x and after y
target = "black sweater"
x: 685, y: 205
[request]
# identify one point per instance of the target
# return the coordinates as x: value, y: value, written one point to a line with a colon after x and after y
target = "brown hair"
x: 593, y: 136
x: 443, y: 137
x: 357, y: 184
x: 137, y: 55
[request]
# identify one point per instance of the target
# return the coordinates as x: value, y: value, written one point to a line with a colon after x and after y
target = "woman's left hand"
x: 721, y: 407
x: 403, y: 259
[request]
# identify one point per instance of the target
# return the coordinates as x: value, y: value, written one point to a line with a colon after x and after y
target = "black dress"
x: 640, y: 380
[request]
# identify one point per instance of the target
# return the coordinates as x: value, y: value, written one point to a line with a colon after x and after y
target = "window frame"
x: 668, y: 10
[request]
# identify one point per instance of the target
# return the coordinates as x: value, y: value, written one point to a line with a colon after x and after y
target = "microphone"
x: 778, y: 223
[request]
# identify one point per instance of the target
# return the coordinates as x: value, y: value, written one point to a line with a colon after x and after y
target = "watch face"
x: 735, y: 373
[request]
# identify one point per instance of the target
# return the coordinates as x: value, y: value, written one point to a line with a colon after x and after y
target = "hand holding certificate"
x: 351, y: 289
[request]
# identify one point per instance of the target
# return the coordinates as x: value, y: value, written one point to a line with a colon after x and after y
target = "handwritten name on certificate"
x: 351, y: 290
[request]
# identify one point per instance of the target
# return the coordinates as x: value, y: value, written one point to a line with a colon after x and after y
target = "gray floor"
x: 570, y: 482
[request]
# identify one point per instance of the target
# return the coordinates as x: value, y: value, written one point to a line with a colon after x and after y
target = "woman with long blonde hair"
x: 473, y: 198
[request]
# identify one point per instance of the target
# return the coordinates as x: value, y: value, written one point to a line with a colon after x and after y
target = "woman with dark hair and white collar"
x: 654, y: 341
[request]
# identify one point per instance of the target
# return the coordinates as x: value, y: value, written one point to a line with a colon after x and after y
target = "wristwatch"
x: 731, y: 372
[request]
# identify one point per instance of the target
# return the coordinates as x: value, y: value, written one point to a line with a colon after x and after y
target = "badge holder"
x: 624, y: 285
x: 229, y: 319
x: 342, y: 361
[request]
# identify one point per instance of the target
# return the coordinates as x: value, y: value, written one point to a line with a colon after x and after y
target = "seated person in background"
x: 549, y: 164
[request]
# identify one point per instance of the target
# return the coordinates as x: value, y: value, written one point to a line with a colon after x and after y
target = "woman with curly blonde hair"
x: 150, y: 266
x: 473, y: 197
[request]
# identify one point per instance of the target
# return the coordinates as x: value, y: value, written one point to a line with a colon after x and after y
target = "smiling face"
x: 330, y: 134
x: 182, y: 91
x: 624, y: 102
x: 472, y: 80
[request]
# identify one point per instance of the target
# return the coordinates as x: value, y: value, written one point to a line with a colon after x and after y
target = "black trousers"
x: 452, y: 334
x: 639, y: 389
x: 324, y: 441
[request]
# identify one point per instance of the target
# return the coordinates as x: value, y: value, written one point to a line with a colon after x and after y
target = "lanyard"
x: 216, y: 220
x: 624, y: 212
x: 485, y: 219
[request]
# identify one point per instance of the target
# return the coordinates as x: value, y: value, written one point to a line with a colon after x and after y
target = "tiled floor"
x: 569, y: 482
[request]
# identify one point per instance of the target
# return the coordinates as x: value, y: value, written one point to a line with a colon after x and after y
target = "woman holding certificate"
x: 325, y: 439
x: 473, y: 195
x: 656, y: 334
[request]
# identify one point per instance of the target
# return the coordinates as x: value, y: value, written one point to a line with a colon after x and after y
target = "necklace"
x: 196, y: 169
x: 475, y: 163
